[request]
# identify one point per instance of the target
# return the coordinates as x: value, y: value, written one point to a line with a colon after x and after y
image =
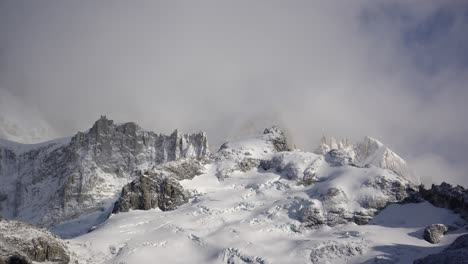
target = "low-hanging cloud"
x: 395, y: 70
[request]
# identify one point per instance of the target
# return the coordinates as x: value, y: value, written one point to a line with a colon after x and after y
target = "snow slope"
x: 248, y: 216
x: 252, y: 205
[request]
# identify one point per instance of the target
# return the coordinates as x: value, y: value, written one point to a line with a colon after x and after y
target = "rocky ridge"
x: 84, y: 175
x: 447, y: 196
x: 21, y: 243
x: 158, y: 187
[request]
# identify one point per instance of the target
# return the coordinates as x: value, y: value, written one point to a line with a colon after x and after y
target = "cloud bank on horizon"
x: 394, y: 70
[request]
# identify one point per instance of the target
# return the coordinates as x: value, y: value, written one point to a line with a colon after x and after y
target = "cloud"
x: 395, y: 70
x: 20, y: 122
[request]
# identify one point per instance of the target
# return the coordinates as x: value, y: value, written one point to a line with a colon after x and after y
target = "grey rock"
x: 457, y: 252
x: 338, y: 157
x: 242, y: 156
x: 185, y: 169
x: 278, y: 138
x: 329, y: 212
x: 149, y: 191
x: 361, y: 218
x: 332, y: 208
x: 292, y: 169
x: 312, y: 217
x: 446, y: 196
x: 84, y: 172
x: 247, y: 164
x: 395, y: 191
x: 234, y: 256
x: 23, y: 243
x: 434, y: 233
x: 334, y: 250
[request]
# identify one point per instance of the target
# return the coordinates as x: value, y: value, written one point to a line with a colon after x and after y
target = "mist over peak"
x: 393, y: 70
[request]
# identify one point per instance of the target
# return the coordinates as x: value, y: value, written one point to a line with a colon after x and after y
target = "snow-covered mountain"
x: 71, y: 184
x: 257, y: 201
x: 254, y: 200
x: 368, y: 152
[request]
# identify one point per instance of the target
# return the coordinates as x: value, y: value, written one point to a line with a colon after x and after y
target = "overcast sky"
x: 394, y: 70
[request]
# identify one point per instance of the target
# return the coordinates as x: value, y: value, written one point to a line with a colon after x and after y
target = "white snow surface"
x: 249, y: 212
x: 253, y: 217
x: 367, y: 152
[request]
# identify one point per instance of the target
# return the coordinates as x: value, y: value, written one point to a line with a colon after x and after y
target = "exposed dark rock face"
x: 312, y: 217
x: 291, y: 166
x: 457, y: 252
x: 434, y: 233
x: 149, y: 191
x: 185, y: 169
x: 332, y: 211
x: 234, y: 256
x: 61, y: 180
x: 335, y: 250
x: 397, y: 191
x: 446, y: 196
x: 338, y: 157
x: 245, y: 155
x: 22, y: 243
x: 247, y: 164
x: 277, y: 137
x: 361, y: 218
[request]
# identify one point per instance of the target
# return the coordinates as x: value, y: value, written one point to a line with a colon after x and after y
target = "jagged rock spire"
x: 277, y: 137
x: 86, y: 171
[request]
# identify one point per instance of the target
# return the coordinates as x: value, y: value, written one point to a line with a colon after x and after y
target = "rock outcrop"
x: 299, y: 166
x: 23, y: 243
x: 58, y: 181
x: 275, y: 135
x: 336, y: 252
x: 234, y: 256
x: 457, y: 252
x: 159, y: 187
x: 447, y: 196
x: 434, y: 233
x: 245, y: 155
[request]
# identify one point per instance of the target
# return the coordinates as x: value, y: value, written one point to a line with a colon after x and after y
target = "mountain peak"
x: 102, y: 125
x: 87, y: 171
x: 277, y: 137
x: 274, y: 130
x: 366, y: 152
